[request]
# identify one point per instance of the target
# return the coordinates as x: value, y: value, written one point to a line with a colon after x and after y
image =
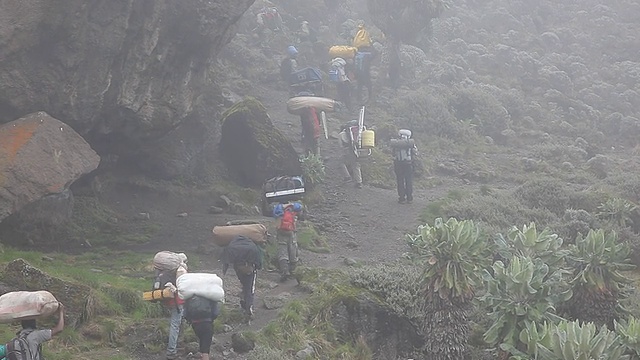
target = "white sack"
x: 25, y: 305
x: 167, y: 260
x: 202, y: 284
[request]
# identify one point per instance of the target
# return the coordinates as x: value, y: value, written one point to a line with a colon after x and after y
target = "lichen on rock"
x: 78, y: 299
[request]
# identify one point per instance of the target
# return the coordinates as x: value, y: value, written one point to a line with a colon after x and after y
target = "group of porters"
x: 206, y: 285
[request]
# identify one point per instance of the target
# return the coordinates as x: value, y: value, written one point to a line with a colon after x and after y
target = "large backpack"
x: 163, y: 277
x: 18, y: 348
x: 198, y: 308
x: 242, y: 250
x: 288, y: 220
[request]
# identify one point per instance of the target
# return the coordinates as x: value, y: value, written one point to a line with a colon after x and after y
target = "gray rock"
x: 276, y: 302
x: 159, y: 103
x: 143, y: 216
x: 40, y: 156
x: 350, y: 262
x: 192, y: 347
x: 182, y: 215
x: 224, y: 201
x: 305, y: 353
x: 227, y: 328
x: 215, y: 210
x: 241, y: 343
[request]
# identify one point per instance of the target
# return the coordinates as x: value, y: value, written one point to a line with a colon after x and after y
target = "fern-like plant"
x: 312, y: 169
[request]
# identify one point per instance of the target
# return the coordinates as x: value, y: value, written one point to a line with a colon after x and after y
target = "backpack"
x: 198, y: 308
x: 288, y: 220
x: 163, y: 277
x: 242, y: 250
x: 18, y: 348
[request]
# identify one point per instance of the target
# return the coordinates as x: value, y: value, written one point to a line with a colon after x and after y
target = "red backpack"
x: 288, y: 221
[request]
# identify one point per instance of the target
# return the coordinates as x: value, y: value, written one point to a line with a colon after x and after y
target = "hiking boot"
x: 409, y: 201
x: 359, y: 186
x: 172, y: 356
x: 400, y: 201
x: 284, y: 277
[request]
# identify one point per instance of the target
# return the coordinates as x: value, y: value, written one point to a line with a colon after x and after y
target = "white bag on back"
x: 25, y: 305
x: 202, y: 284
x: 167, y: 260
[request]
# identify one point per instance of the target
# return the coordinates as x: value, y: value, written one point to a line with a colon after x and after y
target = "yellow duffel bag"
x: 343, y: 51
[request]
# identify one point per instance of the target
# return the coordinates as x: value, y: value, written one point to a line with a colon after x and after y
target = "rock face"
x: 77, y: 298
x: 388, y: 335
x: 252, y: 148
x: 39, y: 156
x: 131, y: 76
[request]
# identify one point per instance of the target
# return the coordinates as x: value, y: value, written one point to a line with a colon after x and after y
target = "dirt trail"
x: 366, y: 225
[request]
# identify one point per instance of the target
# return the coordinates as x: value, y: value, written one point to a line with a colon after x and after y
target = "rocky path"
x: 364, y: 225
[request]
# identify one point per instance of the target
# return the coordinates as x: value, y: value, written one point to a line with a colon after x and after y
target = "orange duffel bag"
x: 343, y: 51
x: 222, y: 235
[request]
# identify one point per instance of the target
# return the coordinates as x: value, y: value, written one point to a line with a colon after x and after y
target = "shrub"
x: 312, y: 169
x: 545, y: 193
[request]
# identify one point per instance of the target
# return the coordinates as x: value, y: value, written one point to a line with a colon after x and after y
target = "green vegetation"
x: 312, y: 169
x: 309, y: 239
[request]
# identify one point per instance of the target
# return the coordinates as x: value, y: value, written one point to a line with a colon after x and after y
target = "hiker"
x: 362, y: 67
x: 306, y: 33
x: 164, y: 279
x: 350, y: 164
x: 404, y: 155
x: 28, y: 341
x: 289, y: 64
x: 338, y: 74
x: 310, y: 131
x: 200, y: 312
x: 246, y: 258
x: 286, y: 236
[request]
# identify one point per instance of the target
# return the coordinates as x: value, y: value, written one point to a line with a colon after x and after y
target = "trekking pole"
x: 324, y: 124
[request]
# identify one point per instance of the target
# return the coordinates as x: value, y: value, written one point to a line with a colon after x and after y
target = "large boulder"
x: 131, y: 76
x: 39, y: 156
x: 388, y: 335
x: 78, y: 299
x: 252, y: 148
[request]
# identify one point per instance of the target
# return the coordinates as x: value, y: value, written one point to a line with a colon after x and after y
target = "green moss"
x: 309, y: 239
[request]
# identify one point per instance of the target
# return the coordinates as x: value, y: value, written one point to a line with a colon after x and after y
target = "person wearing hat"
x: 287, y: 215
x: 404, y: 154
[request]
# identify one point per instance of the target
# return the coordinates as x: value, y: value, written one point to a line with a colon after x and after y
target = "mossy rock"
x: 252, y: 148
x: 77, y: 298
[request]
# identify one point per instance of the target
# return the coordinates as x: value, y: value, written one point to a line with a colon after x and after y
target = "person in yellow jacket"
x: 362, y: 38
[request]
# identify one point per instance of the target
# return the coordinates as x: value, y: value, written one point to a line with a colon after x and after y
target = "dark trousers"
x: 404, y: 177
x: 343, y: 90
x: 248, y: 282
x: 204, y: 332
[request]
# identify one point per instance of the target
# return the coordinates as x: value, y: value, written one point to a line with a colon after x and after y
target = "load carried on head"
x: 296, y: 105
x: 342, y: 51
x: 281, y: 189
x: 307, y: 80
x: 27, y: 305
x: 223, y: 235
x: 169, y: 266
